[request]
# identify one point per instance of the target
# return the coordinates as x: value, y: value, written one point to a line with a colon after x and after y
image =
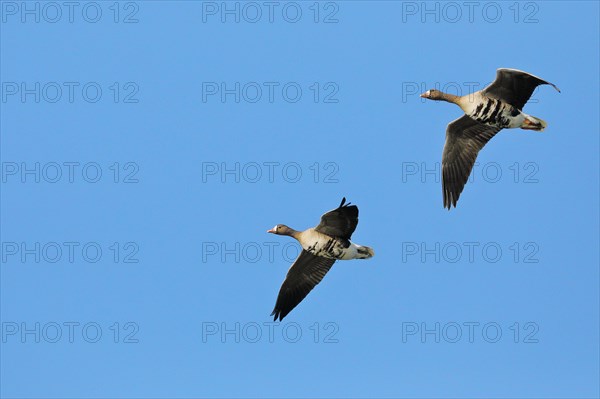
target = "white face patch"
x: 428, y: 93
x: 275, y: 228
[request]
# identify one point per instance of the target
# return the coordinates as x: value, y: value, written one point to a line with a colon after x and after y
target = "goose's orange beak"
x: 424, y: 95
x: 272, y: 231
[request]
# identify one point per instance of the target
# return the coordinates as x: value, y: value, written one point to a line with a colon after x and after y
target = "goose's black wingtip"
x: 278, y: 314
x: 344, y: 203
x: 448, y: 204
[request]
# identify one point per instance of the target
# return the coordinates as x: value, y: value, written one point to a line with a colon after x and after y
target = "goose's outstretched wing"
x: 340, y: 222
x: 514, y: 87
x: 465, y: 137
x: 306, y: 272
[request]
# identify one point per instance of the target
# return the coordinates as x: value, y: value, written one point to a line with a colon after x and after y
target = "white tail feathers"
x: 365, y: 252
x: 533, y: 123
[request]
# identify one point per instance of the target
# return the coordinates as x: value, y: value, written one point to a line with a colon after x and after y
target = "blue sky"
x: 146, y: 148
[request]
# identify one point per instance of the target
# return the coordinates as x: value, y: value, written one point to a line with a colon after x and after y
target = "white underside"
x: 315, y: 243
x: 516, y: 121
x: 317, y: 247
x: 470, y: 103
x: 351, y: 252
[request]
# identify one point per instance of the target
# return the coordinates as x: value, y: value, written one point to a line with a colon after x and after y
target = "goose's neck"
x: 293, y: 233
x: 451, y: 98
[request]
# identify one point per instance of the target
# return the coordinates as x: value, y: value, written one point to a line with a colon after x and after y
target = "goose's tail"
x: 533, y: 123
x: 365, y: 252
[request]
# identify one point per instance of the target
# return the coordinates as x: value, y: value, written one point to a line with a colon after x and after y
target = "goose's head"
x: 282, y: 230
x: 432, y: 94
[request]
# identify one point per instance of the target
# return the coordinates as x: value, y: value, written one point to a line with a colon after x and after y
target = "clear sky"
x: 147, y: 147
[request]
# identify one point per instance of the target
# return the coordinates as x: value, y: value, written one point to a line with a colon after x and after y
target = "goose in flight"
x: 498, y: 106
x: 321, y: 247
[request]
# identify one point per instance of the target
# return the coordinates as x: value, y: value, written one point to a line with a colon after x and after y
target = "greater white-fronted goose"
x: 487, y: 111
x: 321, y: 247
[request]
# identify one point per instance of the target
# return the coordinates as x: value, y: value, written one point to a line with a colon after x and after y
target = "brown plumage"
x: 487, y: 111
x: 321, y: 247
